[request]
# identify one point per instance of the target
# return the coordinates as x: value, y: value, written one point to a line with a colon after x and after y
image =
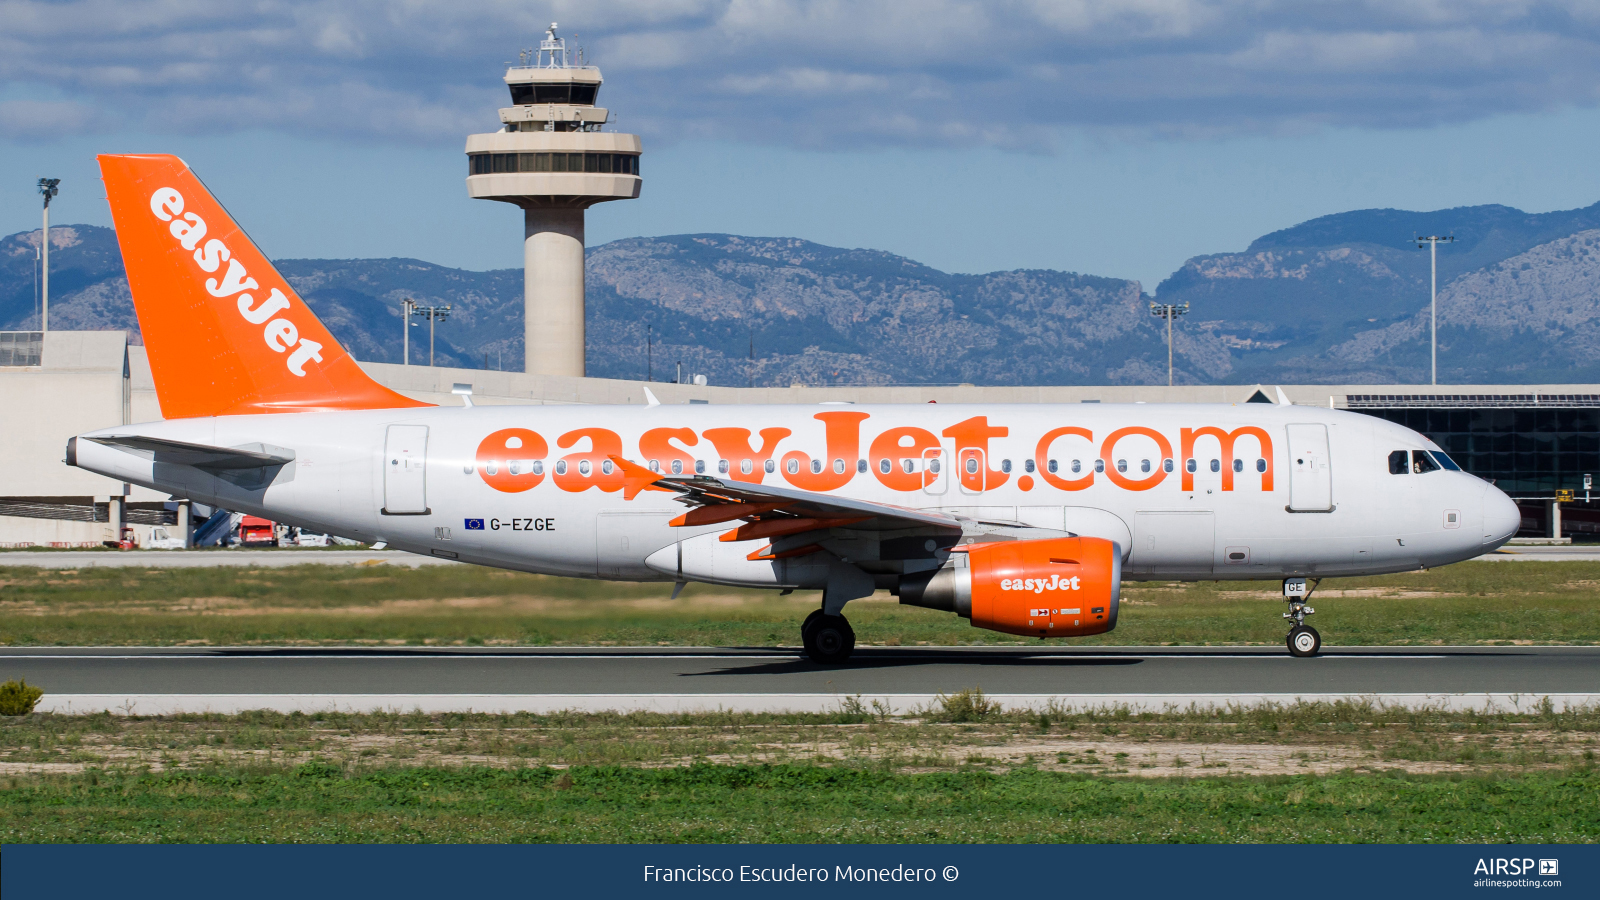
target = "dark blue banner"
x: 237, y: 872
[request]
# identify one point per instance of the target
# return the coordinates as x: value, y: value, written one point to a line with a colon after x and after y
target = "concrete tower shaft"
x: 552, y: 158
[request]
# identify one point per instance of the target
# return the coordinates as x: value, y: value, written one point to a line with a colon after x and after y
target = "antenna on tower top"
x: 556, y: 47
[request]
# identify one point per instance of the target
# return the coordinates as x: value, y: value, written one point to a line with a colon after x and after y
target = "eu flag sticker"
x: 474, y: 524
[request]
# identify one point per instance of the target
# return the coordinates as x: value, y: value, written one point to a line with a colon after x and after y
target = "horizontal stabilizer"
x: 200, y: 456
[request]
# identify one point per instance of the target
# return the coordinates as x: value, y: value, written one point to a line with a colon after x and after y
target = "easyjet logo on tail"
x: 279, y: 332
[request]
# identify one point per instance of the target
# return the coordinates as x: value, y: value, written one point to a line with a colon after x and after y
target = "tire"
x: 828, y: 639
x: 811, y: 620
x: 1304, y: 641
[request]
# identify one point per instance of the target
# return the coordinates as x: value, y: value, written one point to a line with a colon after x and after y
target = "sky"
x: 1109, y: 138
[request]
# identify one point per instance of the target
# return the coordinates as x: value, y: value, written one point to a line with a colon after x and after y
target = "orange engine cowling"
x: 1061, y: 587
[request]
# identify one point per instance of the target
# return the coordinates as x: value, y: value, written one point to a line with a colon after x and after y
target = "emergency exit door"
x: 1310, y: 472
x: 405, y: 479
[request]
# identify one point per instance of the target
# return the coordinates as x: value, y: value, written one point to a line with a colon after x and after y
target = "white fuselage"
x: 1316, y: 497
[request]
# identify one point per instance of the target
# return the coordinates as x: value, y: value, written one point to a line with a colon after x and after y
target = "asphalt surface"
x: 1054, y: 671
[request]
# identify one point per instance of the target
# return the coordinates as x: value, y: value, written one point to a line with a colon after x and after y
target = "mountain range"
x: 1338, y: 299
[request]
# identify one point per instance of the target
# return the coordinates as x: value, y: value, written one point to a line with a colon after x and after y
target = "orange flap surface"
x: 225, y: 333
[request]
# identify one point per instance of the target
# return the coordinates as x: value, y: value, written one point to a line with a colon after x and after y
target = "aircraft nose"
x: 1501, y: 517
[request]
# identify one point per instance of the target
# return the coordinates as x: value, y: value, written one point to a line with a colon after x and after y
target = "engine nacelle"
x: 1059, y: 587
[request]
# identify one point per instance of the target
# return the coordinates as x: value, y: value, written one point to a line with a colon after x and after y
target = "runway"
x: 166, y: 680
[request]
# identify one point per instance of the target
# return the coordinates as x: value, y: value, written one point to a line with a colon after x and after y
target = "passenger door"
x: 405, y: 476
x: 1310, y: 474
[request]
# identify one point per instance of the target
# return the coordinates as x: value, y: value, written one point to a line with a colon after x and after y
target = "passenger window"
x: 1398, y: 464
x: 1188, y: 465
x: 1216, y: 465
x: 1166, y: 465
x: 1099, y: 465
x: 1238, y: 465
x: 1005, y: 465
x: 1422, y: 462
x: 1027, y: 465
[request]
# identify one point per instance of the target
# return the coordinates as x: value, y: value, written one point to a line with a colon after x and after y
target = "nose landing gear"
x: 827, y: 639
x: 1303, y: 640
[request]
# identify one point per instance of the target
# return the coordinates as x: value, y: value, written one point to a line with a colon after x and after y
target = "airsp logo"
x: 1549, y: 867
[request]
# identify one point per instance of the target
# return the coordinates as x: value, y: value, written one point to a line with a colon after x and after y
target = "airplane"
x: 1024, y: 519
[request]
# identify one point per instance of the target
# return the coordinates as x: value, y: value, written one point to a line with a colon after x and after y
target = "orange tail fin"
x: 225, y: 333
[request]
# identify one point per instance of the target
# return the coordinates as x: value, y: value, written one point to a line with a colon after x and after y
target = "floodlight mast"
x: 406, y: 306
x: 49, y: 187
x: 1169, y: 311
x: 1433, y: 241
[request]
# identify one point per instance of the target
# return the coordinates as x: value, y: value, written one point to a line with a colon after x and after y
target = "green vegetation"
x: 790, y: 804
x: 18, y: 698
x: 1474, y: 602
x: 1308, y: 772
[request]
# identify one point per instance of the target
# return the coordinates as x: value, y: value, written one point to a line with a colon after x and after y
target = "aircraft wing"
x: 784, y: 509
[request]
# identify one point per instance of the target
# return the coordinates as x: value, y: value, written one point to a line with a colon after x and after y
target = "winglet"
x: 1283, y: 399
x: 650, y: 398
x: 636, y: 478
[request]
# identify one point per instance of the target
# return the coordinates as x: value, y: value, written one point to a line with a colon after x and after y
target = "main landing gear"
x: 1303, y: 640
x: 827, y: 639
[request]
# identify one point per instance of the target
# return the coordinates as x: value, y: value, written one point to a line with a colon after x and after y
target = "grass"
x: 1344, y: 773
x: 1473, y: 602
x: 790, y: 804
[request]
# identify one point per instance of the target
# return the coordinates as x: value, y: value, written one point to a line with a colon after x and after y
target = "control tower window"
x: 564, y: 94
x: 601, y: 163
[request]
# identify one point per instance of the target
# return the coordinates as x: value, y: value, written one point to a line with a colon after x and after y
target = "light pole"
x: 49, y: 188
x: 1169, y: 311
x: 406, y: 306
x: 1433, y: 241
x: 433, y: 314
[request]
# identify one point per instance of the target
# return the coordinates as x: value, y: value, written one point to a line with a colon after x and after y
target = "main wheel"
x: 828, y: 639
x: 1304, y: 641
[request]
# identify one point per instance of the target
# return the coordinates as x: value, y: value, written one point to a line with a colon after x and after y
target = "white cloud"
x: 815, y: 73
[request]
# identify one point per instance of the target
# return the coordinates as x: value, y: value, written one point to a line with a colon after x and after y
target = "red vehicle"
x: 254, y: 531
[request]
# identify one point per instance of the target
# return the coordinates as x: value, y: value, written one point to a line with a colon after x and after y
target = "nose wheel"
x: 828, y: 639
x: 1303, y: 640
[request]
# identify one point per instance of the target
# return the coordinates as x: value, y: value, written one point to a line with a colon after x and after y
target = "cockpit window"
x: 1422, y: 462
x: 1444, y: 460
x: 1399, y: 463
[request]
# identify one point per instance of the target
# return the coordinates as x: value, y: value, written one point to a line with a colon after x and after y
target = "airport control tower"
x: 552, y: 158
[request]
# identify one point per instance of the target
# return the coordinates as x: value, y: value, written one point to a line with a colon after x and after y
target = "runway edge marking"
x: 899, y: 704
